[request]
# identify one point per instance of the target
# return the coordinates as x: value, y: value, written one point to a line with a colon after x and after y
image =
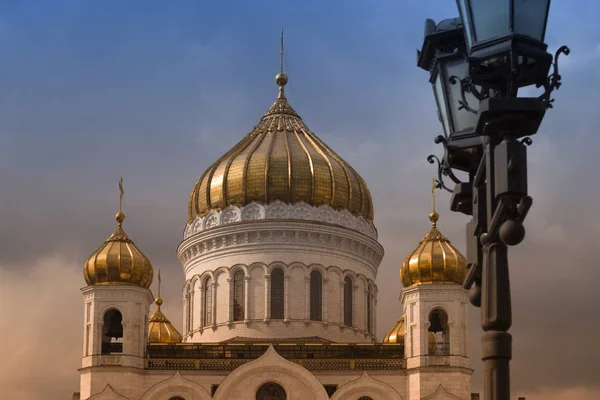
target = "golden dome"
x: 280, y: 159
x: 118, y: 260
x: 396, y: 334
x: 434, y: 260
x: 160, y: 329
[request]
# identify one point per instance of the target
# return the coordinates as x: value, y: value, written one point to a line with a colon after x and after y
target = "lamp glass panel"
x: 440, y: 99
x: 463, y: 121
x: 490, y: 19
x: 465, y: 17
x: 530, y: 18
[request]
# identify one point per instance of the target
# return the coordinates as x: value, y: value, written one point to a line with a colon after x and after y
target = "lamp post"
x: 477, y: 64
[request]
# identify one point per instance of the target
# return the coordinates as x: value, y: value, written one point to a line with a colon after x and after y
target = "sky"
x: 156, y: 91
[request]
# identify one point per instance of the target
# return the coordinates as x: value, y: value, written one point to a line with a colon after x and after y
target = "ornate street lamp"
x: 505, y: 42
x: 477, y: 64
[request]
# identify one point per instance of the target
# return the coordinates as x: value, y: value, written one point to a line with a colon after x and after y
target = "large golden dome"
x: 280, y: 159
x: 118, y: 260
x: 434, y: 260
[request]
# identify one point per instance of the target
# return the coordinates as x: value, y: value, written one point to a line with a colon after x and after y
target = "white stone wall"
x: 296, y: 323
x: 429, y: 383
x: 419, y: 301
x: 133, y: 303
x: 295, y: 246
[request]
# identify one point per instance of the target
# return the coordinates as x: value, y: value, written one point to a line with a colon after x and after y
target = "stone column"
x: 246, y: 299
x: 267, y: 317
x: 307, y: 298
x: 286, y: 295
x: 230, y: 291
x: 214, y: 285
x: 324, y: 296
x: 342, y: 308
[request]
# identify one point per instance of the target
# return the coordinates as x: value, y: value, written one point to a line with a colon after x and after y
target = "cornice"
x: 276, y: 236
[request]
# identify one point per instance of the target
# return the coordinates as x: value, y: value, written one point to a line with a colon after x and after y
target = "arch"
x: 440, y: 307
x: 256, y: 265
x: 271, y: 391
x: 233, y: 269
x: 316, y: 295
x: 270, y: 367
x: 276, y: 264
x: 366, y: 386
x: 441, y: 393
x: 112, y: 331
x: 369, y: 316
x: 220, y: 271
x: 438, y: 338
x: 300, y: 266
x: 239, y: 295
x: 334, y: 269
x: 107, y: 393
x: 207, y: 301
x: 176, y: 386
x: 348, y: 294
x: 277, y: 295
x: 318, y: 267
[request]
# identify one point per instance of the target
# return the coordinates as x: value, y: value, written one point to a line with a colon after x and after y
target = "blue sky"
x: 156, y: 91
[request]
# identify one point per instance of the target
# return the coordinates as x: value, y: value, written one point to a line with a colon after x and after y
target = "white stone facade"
x: 294, y: 240
x: 438, y: 383
x: 427, y: 371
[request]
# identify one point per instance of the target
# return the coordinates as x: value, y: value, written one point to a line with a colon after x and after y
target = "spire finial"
x: 281, y: 54
x: 120, y: 217
x: 281, y: 79
x: 158, y: 300
x: 434, y: 216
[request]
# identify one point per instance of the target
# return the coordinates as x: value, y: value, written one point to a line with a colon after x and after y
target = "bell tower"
x: 435, y: 315
x: 117, y: 301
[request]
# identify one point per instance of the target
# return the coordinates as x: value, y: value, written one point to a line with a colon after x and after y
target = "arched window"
x: 438, y: 334
x: 188, y: 305
x: 112, y: 332
x: 277, y: 288
x: 238, y: 296
x: 316, y: 296
x: 208, y: 306
x: 271, y: 391
x: 348, y: 301
x: 369, y: 311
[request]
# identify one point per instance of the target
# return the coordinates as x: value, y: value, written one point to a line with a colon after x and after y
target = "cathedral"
x: 280, y: 258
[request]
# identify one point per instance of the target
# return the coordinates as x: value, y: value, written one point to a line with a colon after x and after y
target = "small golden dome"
x: 434, y: 260
x: 160, y: 329
x: 396, y: 334
x: 280, y: 159
x: 118, y: 260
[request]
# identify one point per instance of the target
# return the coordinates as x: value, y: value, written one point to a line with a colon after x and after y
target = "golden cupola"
x: 435, y: 260
x: 160, y: 329
x: 280, y: 159
x: 118, y: 260
x: 396, y: 334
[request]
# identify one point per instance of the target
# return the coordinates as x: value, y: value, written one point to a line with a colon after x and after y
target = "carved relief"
x: 280, y: 210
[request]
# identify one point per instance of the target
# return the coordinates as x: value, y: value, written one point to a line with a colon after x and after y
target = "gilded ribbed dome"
x: 280, y: 159
x: 118, y: 260
x: 160, y: 329
x: 396, y: 334
x: 434, y: 260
